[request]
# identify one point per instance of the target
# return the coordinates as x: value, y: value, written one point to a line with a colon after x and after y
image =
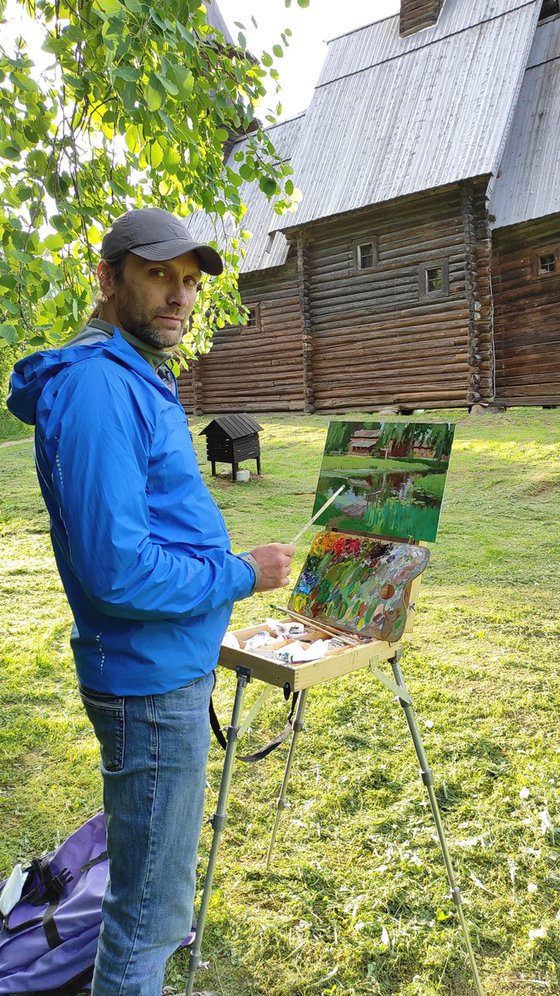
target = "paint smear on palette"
x: 357, y: 584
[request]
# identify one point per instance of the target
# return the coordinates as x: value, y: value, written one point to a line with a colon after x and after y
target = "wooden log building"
x: 422, y: 266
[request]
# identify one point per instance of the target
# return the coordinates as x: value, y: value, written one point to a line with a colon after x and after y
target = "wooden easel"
x: 301, y: 677
x: 384, y: 608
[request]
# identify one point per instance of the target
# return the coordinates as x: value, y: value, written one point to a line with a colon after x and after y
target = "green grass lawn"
x: 357, y: 901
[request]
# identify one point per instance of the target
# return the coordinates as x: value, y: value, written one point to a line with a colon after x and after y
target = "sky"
x: 311, y: 28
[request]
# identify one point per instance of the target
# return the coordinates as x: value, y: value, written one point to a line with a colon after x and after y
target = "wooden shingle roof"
x: 396, y: 116
x: 235, y: 426
x: 527, y: 185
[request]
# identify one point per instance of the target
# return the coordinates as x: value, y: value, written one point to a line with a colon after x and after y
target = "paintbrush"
x: 328, y: 502
x: 320, y: 627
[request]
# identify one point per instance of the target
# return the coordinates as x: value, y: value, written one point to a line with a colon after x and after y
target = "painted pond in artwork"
x: 358, y: 584
x: 393, y: 475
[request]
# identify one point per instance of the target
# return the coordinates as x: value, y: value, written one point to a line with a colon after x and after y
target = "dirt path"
x: 16, y: 442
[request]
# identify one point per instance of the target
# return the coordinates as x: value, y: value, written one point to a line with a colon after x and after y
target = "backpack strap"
x: 263, y: 752
x: 102, y: 856
x: 49, y: 926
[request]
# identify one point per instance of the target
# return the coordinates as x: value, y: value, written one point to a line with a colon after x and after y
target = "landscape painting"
x: 393, y: 475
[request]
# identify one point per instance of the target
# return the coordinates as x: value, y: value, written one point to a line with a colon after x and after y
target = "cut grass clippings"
x: 356, y: 903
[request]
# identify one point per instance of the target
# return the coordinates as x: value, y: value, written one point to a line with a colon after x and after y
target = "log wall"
x: 418, y: 14
x: 377, y: 340
x: 254, y: 370
x: 527, y: 314
x: 334, y: 337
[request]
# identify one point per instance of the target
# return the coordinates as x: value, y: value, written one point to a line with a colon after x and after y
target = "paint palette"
x: 358, y: 585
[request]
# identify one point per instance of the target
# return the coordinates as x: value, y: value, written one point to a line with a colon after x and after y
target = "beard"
x: 147, y: 327
x: 163, y: 339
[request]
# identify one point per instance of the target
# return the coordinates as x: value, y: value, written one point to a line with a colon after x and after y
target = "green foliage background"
x: 133, y: 110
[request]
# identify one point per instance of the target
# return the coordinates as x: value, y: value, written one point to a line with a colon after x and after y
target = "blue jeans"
x: 154, y: 750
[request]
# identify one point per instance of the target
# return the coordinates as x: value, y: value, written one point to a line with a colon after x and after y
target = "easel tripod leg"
x: 427, y: 778
x: 218, y: 822
x: 281, y: 801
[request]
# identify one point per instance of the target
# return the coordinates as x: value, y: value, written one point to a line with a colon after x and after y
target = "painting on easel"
x: 393, y: 475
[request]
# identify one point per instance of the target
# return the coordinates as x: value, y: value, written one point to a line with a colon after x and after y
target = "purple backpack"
x: 48, y: 939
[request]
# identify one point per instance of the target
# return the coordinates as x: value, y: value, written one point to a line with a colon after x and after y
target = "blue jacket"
x: 140, y: 544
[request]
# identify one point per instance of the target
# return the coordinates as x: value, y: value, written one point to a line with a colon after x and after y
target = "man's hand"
x: 273, y: 561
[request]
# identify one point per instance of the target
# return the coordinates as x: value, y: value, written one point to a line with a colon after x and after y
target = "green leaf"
x: 73, y: 33
x: 183, y: 79
x: 247, y: 172
x: 155, y: 153
x: 54, y: 242
x: 107, y: 7
x: 266, y: 59
x: 278, y: 51
x: 171, y: 158
x: 154, y: 96
x: 168, y: 84
x: 51, y: 271
x: 268, y: 186
x: 128, y: 73
x: 9, y: 151
x: 59, y: 222
x: 9, y: 334
x: 23, y: 82
x: 132, y: 139
x: 94, y: 235
x: 129, y: 96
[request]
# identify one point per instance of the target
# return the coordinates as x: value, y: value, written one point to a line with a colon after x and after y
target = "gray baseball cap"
x: 153, y: 233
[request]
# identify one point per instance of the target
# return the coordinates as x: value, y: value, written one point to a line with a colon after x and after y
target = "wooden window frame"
x: 423, y: 269
x: 357, y: 245
x: 536, y: 256
x: 254, y: 326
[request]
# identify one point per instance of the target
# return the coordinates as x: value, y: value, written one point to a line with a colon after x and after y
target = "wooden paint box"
x: 294, y: 677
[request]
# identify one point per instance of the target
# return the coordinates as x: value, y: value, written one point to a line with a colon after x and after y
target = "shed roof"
x: 392, y: 116
x: 262, y: 250
x: 527, y: 184
x: 236, y: 426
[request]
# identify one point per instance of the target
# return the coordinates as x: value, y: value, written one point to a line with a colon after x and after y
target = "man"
x: 146, y: 564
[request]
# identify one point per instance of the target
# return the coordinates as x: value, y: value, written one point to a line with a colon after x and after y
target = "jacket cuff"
x: 249, y: 559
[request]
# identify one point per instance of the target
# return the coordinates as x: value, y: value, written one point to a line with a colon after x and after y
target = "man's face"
x: 152, y: 300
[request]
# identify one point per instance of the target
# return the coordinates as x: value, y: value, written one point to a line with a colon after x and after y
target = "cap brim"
x: 210, y: 260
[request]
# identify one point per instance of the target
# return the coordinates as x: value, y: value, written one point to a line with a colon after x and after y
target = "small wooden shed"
x: 231, y: 439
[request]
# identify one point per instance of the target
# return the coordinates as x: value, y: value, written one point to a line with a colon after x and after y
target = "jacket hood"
x: 31, y: 374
